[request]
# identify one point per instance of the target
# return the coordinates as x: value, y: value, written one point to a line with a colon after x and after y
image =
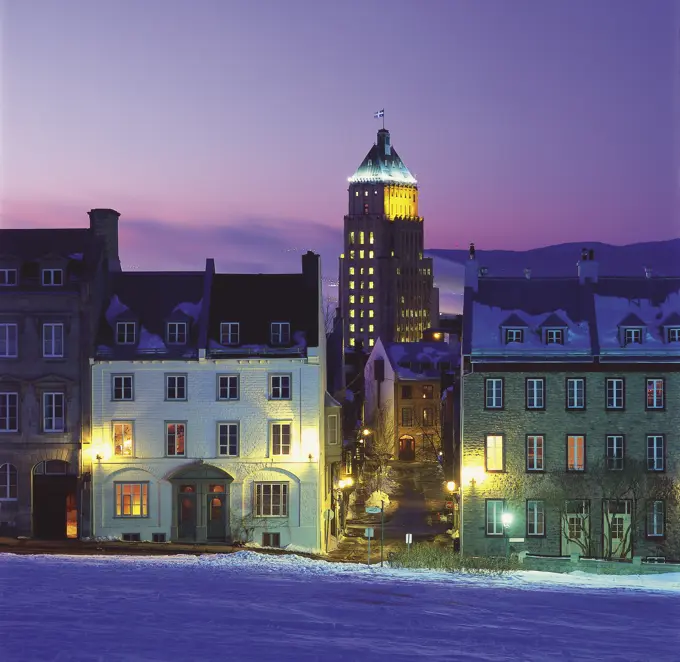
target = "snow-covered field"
x: 249, y: 606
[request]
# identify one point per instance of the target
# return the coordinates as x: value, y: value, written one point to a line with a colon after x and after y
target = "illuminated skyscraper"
x: 385, y: 282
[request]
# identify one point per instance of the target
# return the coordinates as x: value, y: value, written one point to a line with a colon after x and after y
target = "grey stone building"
x: 570, y: 414
x: 52, y: 284
x: 386, y: 286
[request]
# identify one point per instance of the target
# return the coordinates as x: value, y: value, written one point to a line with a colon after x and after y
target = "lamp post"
x: 343, y: 484
x: 506, y: 519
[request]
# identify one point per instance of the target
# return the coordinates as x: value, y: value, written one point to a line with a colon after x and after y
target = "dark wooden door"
x: 217, y: 516
x: 186, y: 512
x: 51, y: 495
x: 407, y: 449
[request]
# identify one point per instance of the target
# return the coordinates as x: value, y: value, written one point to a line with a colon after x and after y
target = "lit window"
x: 351, y: 298
x: 576, y: 452
x: 351, y: 235
x: 356, y: 194
x: 361, y: 237
x: 123, y: 438
x: 351, y: 312
x: 351, y: 328
x: 370, y: 254
x: 371, y: 342
x: 361, y: 271
x: 370, y: 298
x: 361, y: 255
x: 351, y: 271
x: 655, y: 394
x: 352, y: 342
x: 370, y: 271
x: 351, y: 284
x: 365, y: 193
x: 370, y: 328
x: 495, y: 460
x: 132, y: 499
x: 370, y: 236
x: 351, y: 255
x: 370, y: 284
x: 371, y: 313
x: 175, y: 439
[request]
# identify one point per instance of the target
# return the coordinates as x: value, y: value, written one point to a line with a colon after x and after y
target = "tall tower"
x: 385, y: 282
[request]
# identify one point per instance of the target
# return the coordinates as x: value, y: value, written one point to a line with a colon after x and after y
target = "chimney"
x: 311, y: 270
x: 587, y: 267
x: 384, y: 147
x: 104, y: 223
x: 472, y: 270
x: 648, y: 272
x: 527, y: 274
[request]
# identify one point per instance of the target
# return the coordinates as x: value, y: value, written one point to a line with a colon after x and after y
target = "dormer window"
x: 514, y: 335
x: 554, y: 336
x: 52, y: 277
x: 8, y: 277
x: 177, y: 333
x: 674, y: 334
x: 229, y: 333
x: 125, y: 333
x: 280, y: 333
x: 632, y: 336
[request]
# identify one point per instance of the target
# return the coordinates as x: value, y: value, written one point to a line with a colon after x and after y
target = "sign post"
x: 409, y: 540
x: 382, y: 531
x: 369, y: 534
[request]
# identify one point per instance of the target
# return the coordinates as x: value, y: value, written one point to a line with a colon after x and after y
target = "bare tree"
x: 380, y: 442
x: 330, y: 307
x: 431, y: 430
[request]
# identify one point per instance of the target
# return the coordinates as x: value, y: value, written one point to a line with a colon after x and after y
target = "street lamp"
x: 451, y: 486
x: 506, y: 519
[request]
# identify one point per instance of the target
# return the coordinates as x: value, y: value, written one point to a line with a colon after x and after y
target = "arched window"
x: 8, y: 482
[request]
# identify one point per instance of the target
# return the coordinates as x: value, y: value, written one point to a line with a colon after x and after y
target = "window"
x: 280, y: 332
x: 177, y: 333
x: 493, y: 393
x: 175, y: 439
x: 351, y: 255
x: 535, y: 518
x: 271, y: 499
x: 371, y: 298
x: 53, y: 340
x: 371, y: 254
x: 279, y: 387
x: 535, y: 393
x: 125, y: 333
x: 576, y: 393
x: 632, y: 336
x: 227, y: 439
x: 655, y: 516
x: 229, y: 333
x: 615, y: 393
x: 227, y: 387
x: 132, y: 499
x: 614, y: 453
x: 8, y: 482
x: 428, y: 391
x: 122, y: 387
x: 52, y: 277
x: 514, y: 335
x: 674, y: 334
x: 8, y: 277
x: 123, y: 438
x: 53, y: 412
x: 494, y: 517
x: 370, y: 284
x: 271, y: 540
x: 554, y: 336
x: 535, y: 452
x: 281, y: 439
x: 9, y: 412
x: 8, y: 341
x: 655, y: 394
x: 175, y: 387
x: 576, y: 452
x: 351, y: 271
x: 370, y: 234
x: 495, y: 457
x: 655, y: 452
x: 333, y: 429
x: 371, y: 313
x: 407, y: 417
x: 406, y: 392
x: 428, y: 416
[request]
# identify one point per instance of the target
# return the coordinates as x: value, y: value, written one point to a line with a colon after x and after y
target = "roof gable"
x: 553, y: 321
x: 631, y: 320
x: 513, y: 321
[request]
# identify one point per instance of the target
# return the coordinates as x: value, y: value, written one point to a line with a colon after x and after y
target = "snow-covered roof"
x: 383, y: 165
x: 422, y: 360
x: 591, y: 314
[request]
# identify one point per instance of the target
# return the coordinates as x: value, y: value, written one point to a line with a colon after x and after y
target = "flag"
x: 378, y: 114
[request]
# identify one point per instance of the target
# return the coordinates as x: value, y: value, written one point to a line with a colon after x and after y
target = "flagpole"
x: 383, y: 118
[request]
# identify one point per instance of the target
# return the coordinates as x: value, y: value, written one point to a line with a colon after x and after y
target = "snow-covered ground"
x: 249, y: 607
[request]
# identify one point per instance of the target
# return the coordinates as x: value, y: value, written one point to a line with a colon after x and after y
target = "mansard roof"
x: 383, y: 165
x: 591, y: 312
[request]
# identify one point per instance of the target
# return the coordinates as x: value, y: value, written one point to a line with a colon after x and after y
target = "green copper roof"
x: 382, y: 164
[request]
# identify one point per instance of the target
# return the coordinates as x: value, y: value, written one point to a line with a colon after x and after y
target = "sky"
x: 228, y: 128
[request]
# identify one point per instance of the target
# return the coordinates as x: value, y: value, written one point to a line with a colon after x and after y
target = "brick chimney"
x: 472, y: 270
x: 104, y: 223
x: 588, y: 268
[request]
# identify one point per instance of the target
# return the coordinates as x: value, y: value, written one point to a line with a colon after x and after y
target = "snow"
x: 251, y: 606
x: 611, y: 311
x: 192, y: 310
x: 150, y: 342
x: 75, y: 256
x: 487, y: 337
x: 116, y: 308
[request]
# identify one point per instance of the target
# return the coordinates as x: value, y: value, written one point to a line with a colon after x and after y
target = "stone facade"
x: 514, y: 422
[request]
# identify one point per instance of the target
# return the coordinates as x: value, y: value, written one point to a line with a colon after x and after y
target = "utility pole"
x: 382, y: 530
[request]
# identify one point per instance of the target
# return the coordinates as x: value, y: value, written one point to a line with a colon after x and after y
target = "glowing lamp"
x: 451, y: 486
x: 506, y: 518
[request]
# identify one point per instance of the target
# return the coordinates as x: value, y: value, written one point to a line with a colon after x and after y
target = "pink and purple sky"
x: 228, y: 128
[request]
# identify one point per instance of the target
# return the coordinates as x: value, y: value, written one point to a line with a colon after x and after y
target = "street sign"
x: 409, y: 538
x: 373, y: 510
x: 516, y: 539
x: 449, y: 505
x: 368, y: 532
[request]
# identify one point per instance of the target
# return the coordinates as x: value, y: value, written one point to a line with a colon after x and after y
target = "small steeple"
x: 384, y: 147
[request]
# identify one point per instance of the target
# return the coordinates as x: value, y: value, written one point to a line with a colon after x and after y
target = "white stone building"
x: 208, y: 409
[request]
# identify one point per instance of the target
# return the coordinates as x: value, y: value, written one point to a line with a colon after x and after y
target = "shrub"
x: 433, y: 557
